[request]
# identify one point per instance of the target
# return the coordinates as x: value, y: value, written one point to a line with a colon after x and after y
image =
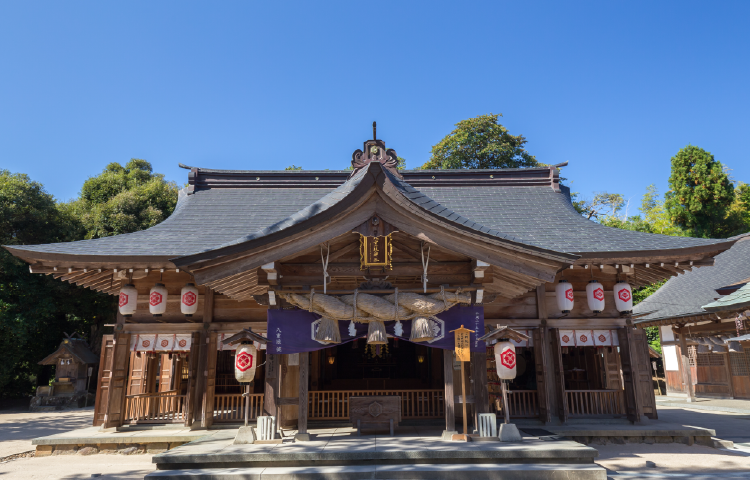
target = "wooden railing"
x: 162, y: 407
x: 595, y: 402
x: 334, y: 404
x: 231, y: 407
x: 522, y: 404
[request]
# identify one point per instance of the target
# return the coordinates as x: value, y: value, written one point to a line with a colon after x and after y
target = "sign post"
x: 463, y: 354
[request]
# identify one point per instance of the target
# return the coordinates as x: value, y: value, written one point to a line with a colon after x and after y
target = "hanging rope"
x: 424, y: 266
x: 325, y: 266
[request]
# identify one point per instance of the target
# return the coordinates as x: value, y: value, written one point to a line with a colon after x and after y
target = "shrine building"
x: 357, y: 279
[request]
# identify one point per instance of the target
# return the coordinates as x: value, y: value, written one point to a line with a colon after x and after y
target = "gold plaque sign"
x: 463, y: 344
x: 375, y: 251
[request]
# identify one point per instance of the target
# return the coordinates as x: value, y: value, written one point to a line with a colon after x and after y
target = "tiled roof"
x: 685, y: 294
x: 214, y: 217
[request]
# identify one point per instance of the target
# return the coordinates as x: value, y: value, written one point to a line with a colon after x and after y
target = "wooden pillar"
x: 202, y: 376
x: 558, y: 383
x: 450, y: 412
x: 687, y: 377
x: 479, y: 387
x: 271, y: 389
x: 545, y: 377
x: 208, y: 394
x: 304, y: 375
x: 118, y: 380
x: 633, y: 406
x: 192, y: 379
x: 729, y: 374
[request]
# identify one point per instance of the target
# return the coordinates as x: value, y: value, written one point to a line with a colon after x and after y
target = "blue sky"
x: 615, y: 88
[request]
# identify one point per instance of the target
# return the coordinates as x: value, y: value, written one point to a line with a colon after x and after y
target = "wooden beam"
x: 272, y: 274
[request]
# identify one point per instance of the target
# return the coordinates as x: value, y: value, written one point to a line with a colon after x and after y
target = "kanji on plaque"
x: 463, y: 343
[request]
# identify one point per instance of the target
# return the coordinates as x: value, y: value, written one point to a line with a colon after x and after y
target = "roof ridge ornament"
x: 375, y: 152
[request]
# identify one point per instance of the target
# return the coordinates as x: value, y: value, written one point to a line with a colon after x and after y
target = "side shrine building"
x: 357, y: 280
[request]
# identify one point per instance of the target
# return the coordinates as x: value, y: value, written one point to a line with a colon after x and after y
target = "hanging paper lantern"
x: 505, y: 360
x: 157, y: 300
x: 245, y: 363
x: 564, y: 291
x: 189, y: 300
x: 128, y: 299
x: 595, y: 296
x: 623, y: 297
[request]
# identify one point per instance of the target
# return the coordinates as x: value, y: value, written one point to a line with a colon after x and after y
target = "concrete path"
x: 728, y: 426
x: 720, y: 405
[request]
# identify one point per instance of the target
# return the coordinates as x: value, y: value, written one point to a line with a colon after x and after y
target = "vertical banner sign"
x: 463, y: 344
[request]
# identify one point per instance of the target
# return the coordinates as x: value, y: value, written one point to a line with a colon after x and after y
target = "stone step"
x: 454, y: 471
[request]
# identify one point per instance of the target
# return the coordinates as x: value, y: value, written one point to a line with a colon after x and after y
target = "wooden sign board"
x: 463, y: 344
x: 376, y: 251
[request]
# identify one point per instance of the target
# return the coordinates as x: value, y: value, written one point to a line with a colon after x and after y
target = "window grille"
x: 740, y: 363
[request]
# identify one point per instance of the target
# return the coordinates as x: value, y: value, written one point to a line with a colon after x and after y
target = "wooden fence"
x: 162, y: 407
x: 522, y: 403
x: 231, y: 407
x: 595, y: 402
x: 334, y: 404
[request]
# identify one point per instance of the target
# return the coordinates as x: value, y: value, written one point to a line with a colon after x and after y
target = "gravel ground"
x: 671, y: 458
x: 18, y: 427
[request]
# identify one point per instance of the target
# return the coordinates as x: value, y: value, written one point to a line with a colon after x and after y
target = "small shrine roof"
x: 683, y: 296
x: 76, y: 347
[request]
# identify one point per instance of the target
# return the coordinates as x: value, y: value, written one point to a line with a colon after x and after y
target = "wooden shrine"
x: 241, y: 244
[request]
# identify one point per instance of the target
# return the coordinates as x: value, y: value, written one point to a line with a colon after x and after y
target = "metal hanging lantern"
x: 157, y: 300
x: 245, y: 363
x: 505, y: 360
x: 564, y: 293
x: 623, y: 297
x: 189, y: 300
x: 128, y: 300
x: 595, y: 296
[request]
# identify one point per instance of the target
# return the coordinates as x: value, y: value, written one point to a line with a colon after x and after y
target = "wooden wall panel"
x: 741, y: 387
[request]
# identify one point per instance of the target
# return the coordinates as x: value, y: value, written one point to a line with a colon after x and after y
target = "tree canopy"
x: 124, y: 200
x: 35, y: 310
x: 700, y: 193
x: 480, y: 142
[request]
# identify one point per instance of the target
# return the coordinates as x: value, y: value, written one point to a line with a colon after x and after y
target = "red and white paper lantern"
x: 505, y: 360
x: 623, y: 297
x: 189, y: 300
x: 245, y: 363
x: 564, y: 291
x: 128, y: 299
x: 595, y: 296
x: 157, y: 300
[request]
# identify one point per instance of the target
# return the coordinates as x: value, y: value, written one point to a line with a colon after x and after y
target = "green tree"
x: 480, y: 142
x: 639, y: 295
x: 35, y: 310
x: 124, y: 200
x: 701, y: 192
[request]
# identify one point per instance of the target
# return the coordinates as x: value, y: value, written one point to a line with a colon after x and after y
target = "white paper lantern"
x: 623, y: 297
x: 505, y: 360
x: 595, y: 296
x: 128, y: 299
x: 189, y: 300
x: 245, y: 363
x: 157, y: 300
x: 564, y: 291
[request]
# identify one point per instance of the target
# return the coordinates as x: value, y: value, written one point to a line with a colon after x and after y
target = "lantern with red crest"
x: 595, y: 296
x: 564, y: 292
x: 505, y: 360
x: 245, y: 362
x: 157, y: 300
x: 623, y: 297
x: 128, y: 300
x: 189, y: 300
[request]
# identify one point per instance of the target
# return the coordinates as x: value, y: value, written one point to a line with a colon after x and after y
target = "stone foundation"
x: 649, y: 439
x: 59, y: 402
x: 105, y: 448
